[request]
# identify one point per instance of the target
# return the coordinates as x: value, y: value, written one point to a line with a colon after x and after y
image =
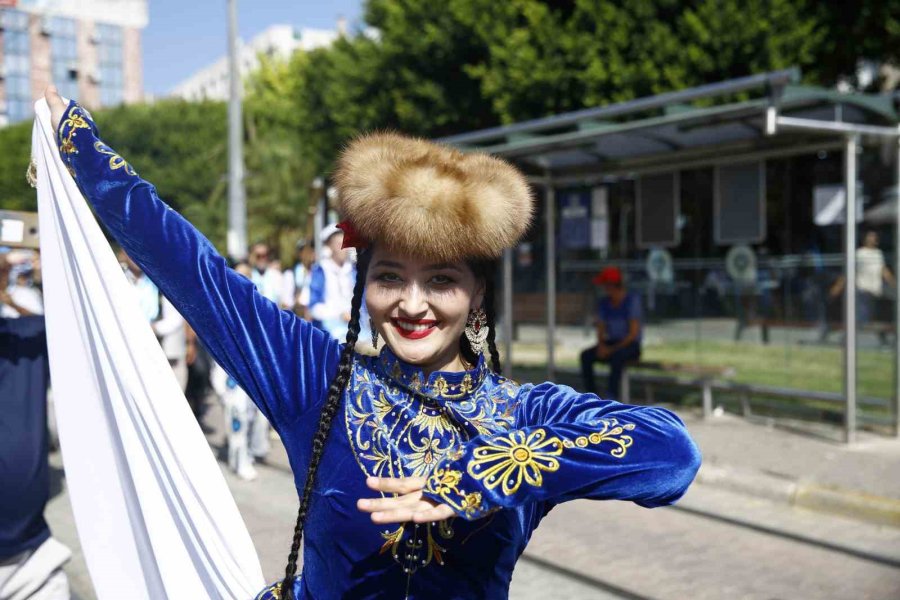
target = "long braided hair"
x: 483, y: 270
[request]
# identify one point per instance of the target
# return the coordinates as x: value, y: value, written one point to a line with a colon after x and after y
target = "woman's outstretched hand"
x: 57, y: 106
x: 408, y: 505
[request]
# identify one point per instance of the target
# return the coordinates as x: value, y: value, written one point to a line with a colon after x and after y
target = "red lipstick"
x: 413, y: 334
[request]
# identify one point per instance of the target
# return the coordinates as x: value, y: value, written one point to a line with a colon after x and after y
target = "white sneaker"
x: 248, y: 473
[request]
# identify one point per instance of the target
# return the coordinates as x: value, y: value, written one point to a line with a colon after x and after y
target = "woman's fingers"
x: 397, y: 515
x: 420, y: 512
x: 393, y: 485
x: 435, y: 513
x: 407, y: 506
x: 371, y: 505
x: 57, y: 106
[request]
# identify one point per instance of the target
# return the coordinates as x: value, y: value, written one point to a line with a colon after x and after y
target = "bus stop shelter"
x: 732, y: 123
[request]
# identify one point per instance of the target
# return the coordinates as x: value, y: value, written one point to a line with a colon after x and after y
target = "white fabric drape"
x: 154, y: 515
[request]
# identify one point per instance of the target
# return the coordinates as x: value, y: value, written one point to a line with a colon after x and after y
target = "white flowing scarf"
x: 154, y: 515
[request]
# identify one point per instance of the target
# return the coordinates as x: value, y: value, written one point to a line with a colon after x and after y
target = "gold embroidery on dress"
x: 612, y: 432
x: 407, y: 549
x: 507, y: 460
x: 425, y: 456
x: 394, y: 433
x: 74, y: 120
x: 115, y: 161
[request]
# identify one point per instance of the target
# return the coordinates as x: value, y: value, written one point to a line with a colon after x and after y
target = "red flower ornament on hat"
x: 352, y: 238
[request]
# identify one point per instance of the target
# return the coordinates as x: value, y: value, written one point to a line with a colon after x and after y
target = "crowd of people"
x: 315, y: 288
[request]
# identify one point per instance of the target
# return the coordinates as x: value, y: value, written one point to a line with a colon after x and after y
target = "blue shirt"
x: 616, y: 318
x: 24, y: 479
x: 500, y: 454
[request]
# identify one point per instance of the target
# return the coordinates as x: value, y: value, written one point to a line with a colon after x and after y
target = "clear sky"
x: 185, y: 35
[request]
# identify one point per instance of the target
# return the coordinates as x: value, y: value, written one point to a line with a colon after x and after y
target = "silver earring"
x: 374, y: 334
x: 477, y: 329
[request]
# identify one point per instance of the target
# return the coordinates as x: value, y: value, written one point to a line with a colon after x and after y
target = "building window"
x: 16, y: 65
x: 109, y: 49
x: 64, y: 55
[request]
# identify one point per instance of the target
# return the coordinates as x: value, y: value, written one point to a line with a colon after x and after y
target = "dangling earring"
x: 374, y: 333
x: 477, y: 329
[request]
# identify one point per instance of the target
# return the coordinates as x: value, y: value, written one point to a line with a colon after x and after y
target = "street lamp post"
x: 237, y: 207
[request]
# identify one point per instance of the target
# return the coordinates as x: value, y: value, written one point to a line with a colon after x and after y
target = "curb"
x: 856, y: 505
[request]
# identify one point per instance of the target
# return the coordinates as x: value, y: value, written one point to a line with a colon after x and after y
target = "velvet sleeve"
x: 281, y: 361
x: 567, y: 445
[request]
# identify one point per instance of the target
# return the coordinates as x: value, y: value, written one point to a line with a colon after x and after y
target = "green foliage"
x: 547, y: 57
x: 436, y: 68
x: 181, y: 147
x: 15, y: 193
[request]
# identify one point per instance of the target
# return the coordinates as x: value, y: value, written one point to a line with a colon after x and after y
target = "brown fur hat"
x: 431, y: 201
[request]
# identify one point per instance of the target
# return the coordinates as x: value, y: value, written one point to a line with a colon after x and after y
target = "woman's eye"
x: 389, y: 277
x: 441, y: 280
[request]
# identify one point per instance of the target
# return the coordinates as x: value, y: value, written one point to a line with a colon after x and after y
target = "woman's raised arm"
x: 282, y: 362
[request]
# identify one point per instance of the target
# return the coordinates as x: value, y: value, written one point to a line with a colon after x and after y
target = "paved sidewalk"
x: 800, y: 467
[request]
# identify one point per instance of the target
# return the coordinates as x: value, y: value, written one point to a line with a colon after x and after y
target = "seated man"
x: 618, y: 332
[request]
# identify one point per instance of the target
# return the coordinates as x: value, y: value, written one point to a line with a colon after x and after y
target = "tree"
x: 547, y: 57
x: 15, y: 193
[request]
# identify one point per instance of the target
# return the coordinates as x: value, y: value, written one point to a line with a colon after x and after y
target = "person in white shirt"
x: 240, y: 414
x: 167, y: 323
x: 871, y: 274
x: 20, y: 299
x: 266, y: 275
x: 295, y: 281
x: 331, y: 285
x: 871, y: 270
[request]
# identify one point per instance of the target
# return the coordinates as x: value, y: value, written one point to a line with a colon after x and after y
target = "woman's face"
x: 420, y: 308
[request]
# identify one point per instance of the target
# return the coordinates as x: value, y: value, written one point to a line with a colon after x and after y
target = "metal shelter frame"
x: 666, y: 133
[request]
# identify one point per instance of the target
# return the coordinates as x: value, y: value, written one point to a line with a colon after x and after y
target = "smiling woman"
x: 440, y: 469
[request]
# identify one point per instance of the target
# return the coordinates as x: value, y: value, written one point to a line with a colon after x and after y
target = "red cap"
x: 608, y: 276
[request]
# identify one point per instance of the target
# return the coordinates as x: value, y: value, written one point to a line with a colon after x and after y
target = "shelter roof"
x: 710, y: 122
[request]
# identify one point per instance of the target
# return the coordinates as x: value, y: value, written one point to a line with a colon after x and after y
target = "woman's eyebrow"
x: 442, y: 266
x: 389, y: 264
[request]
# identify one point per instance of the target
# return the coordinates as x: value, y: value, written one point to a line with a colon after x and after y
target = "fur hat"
x: 424, y: 199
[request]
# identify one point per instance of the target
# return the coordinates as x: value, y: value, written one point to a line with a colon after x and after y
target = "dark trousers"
x: 616, y: 362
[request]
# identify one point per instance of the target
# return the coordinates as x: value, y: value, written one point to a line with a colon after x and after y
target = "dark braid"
x: 329, y: 410
x: 491, y: 311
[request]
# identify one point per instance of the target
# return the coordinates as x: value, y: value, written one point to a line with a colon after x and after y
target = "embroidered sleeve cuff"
x: 445, y: 485
x: 79, y: 140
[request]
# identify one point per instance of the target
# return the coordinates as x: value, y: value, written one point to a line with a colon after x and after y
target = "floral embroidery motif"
x: 73, y: 121
x: 612, y: 432
x: 397, y: 433
x: 273, y: 592
x: 425, y: 456
x: 508, y: 460
x: 115, y: 161
x: 444, y: 483
x: 409, y: 552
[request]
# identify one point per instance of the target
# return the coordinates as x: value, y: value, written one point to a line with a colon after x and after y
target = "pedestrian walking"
x: 421, y: 472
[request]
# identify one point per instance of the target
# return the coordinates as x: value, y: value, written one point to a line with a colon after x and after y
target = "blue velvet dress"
x: 502, y: 455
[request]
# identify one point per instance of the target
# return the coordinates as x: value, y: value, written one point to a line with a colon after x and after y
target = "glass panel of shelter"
x: 768, y: 309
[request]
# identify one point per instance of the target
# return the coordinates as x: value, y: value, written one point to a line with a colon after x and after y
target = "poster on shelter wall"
x: 830, y: 202
x: 600, y: 218
x: 574, y: 219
